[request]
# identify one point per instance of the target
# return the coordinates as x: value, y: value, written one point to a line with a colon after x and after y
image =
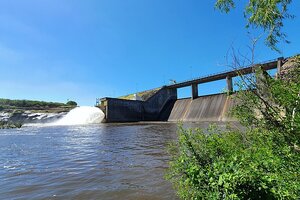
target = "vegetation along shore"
x: 14, y: 113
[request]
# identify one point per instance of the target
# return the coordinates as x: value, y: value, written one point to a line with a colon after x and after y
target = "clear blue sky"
x: 55, y: 50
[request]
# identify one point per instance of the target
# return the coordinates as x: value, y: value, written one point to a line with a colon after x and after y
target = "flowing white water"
x: 81, y: 115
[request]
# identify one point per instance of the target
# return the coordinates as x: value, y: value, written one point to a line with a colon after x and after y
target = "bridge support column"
x: 279, y: 65
x: 194, y: 91
x: 229, y: 84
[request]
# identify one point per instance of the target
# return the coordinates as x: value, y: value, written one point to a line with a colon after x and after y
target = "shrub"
x: 233, y: 165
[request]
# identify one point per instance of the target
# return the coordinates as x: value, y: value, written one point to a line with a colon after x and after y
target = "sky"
x: 60, y: 50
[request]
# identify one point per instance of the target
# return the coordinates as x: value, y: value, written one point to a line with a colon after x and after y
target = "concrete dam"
x: 162, y: 104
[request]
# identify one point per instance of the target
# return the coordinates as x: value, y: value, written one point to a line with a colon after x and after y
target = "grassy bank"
x: 144, y: 94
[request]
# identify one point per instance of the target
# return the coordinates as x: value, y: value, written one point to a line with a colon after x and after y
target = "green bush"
x: 260, y: 162
x: 71, y: 103
x: 234, y: 165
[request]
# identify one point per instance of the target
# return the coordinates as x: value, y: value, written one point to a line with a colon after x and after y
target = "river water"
x: 120, y: 161
x: 105, y: 161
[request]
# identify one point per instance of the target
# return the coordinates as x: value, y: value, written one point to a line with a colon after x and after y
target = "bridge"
x: 228, y: 75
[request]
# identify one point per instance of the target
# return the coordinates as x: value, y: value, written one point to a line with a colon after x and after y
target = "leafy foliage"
x: 273, y: 104
x: 8, y: 103
x: 265, y: 14
x: 260, y: 162
x: 71, y: 103
x: 234, y: 165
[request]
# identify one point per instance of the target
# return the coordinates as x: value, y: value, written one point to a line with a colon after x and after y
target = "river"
x: 105, y: 161
x: 120, y: 161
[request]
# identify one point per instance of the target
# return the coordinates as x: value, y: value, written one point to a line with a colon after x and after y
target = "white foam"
x: 81, y: 115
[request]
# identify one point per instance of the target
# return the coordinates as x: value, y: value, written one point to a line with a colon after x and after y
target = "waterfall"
x: 81, y: 115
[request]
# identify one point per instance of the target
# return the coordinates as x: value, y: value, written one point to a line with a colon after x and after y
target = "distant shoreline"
x: 14, y: 113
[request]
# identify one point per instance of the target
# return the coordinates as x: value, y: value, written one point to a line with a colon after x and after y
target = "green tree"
x: 268, y: 15
x: 71, y: 103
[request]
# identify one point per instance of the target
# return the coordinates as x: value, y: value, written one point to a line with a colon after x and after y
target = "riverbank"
x: 14, y: 113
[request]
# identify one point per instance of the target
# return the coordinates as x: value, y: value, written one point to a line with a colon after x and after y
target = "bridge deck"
x: 242, y: 71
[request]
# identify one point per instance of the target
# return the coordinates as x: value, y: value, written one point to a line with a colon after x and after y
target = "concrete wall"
x: 155, y: 104
x: 120, y: 110
x: 179, y: 110
x: 205, y: 108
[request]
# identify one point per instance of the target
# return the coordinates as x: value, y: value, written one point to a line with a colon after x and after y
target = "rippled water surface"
x: 86, y: 162
x: 105, y: 161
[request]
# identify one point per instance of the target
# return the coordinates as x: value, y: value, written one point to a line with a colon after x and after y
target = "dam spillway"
x: 205, y: 108
x: 163, y: 103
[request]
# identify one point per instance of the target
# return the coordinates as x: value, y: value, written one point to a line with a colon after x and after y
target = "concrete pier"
x: 194, y: 91
x: 279, y: 64
x: 229, y: 84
